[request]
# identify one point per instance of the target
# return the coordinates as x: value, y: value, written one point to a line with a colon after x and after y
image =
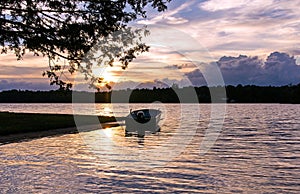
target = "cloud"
x: 150, y: 85
x: 272, y: 13
x: 176, y: 20
x: 28, y: 60
x: 217, y: 5
x: 139, y: 85
x: 25, y: 84
x: 184, y: 82
x: 14, y: 71
x: 196, y: 78
x: 180, y: 66
x: 124, y: 85
x: 241, y: 69
x: 253, y: 27
x: 278, y: 69
x: 233, y: 27
x: 158, y: 83
x: 166, y: 19
x: 169, y: 16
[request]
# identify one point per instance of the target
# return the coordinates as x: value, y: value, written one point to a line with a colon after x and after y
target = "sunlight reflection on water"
x: 257, y: 152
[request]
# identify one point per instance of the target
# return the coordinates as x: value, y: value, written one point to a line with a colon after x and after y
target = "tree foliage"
x: 68, y: 29
x: 235, y: 94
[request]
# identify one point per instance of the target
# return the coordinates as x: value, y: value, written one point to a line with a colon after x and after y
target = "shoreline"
x: 27, y: 136
x: 21, y: 126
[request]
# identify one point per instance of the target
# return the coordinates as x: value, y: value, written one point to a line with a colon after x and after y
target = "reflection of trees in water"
x: 67, y: 30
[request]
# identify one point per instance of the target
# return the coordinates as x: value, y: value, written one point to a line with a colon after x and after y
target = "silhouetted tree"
x: 235, y: 94
x: 68, y: 29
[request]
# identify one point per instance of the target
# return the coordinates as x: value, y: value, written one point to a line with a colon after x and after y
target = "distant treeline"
x: 234, y: 94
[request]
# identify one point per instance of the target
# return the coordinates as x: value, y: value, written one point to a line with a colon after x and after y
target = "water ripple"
x: 257, y: 152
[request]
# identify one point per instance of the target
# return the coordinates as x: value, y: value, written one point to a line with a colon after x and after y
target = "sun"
x: 105, y: 74
x: 108, y: 77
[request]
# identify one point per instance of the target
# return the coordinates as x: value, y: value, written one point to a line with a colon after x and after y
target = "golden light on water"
x: 107, y: 111
x: 108, y: 132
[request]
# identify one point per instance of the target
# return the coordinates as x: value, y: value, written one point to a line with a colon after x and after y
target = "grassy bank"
x: 14, y: 123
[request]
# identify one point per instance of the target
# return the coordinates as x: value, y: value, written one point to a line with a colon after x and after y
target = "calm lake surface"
x: 257, y: 151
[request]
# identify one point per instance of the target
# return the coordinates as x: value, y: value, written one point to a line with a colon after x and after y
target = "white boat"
x: 143, y: 120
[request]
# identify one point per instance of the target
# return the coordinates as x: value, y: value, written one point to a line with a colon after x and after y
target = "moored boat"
x: 143, y: 120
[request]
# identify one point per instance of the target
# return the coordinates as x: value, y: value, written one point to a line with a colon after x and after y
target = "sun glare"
x: 108, y: 132
x: 104, y: 73
x: 109, y: 77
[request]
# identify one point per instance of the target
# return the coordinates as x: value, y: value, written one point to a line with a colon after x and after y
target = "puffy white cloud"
x: 277, y: 69
x: 280, y: 68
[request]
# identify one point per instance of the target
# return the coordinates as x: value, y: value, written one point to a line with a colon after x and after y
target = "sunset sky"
x: 247, y: 32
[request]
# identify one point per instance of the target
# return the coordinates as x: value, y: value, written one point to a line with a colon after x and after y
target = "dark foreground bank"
x: 15, y: 126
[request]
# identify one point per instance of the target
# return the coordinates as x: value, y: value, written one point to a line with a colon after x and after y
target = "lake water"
x: 257, y: 150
